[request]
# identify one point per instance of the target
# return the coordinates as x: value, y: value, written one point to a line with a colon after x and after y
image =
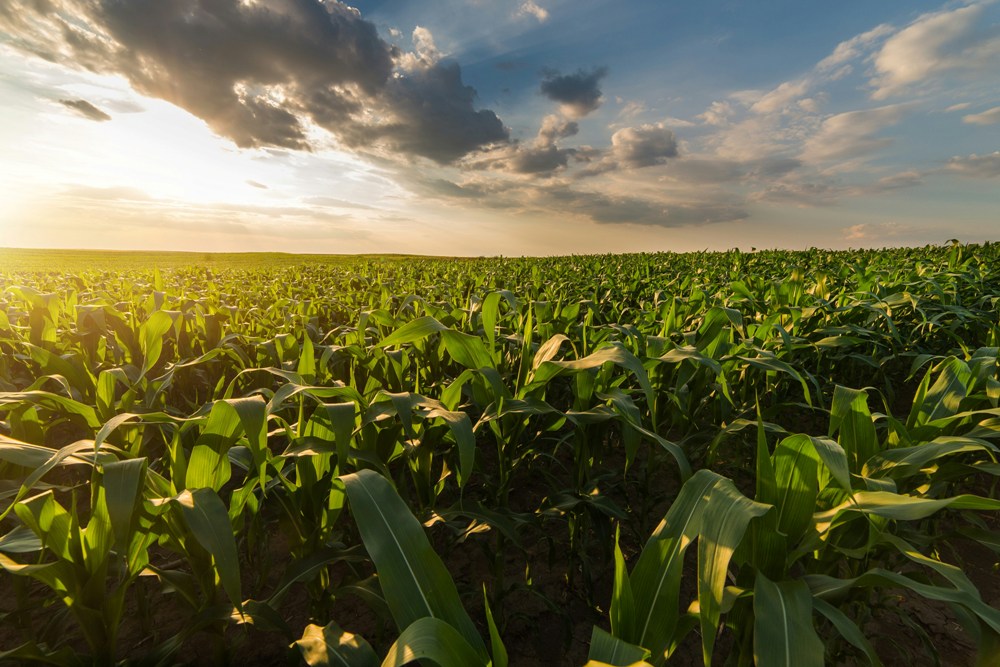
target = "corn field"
x: 767, y: 458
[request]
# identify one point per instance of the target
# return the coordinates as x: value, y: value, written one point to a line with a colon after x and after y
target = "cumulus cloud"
x: 632, y: 148
x: 554, y: 128
x: 578, y: 93
x: 259, y: 73
x: 947, y: 41
x: 980, y: 166
x: 852, y: 134
x: 988, y: 117
x: 717, y: 113
x: 643, y: 146
x: 431, y: 114
x: 85, y: 109
x: 529, y: 8
x: 425, y: 51
x: 540, y: 159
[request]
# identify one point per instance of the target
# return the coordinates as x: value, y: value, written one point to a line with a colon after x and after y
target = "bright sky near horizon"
x: 480, y: 127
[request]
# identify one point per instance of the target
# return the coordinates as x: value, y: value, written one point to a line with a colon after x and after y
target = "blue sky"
x: 478, y: 127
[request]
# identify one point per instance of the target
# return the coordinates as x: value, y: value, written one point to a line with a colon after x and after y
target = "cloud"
x: 261, y: 73
x: 529, y: 8
x: 539, y: 160
x: 988, y: 117
x: 85, y: 109
x: 717, y: 113
x: 852, y: 48
x: 947, y: 41
x: 643, y: 146
x: 257, y: 184
x: 958, y: 107
x: 431, y: 113
x: 425, y: 51
x: 611, y: 209
x: 554, y: 128
x: 979, y: 166
x: 829, y: 192
x: 542, y: 157
x: 631, y: 109
x: 577, y: 93
x: 852, y: 134
x: 781, y: 97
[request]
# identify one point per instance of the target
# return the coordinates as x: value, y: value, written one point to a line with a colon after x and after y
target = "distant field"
x: 62, y: 261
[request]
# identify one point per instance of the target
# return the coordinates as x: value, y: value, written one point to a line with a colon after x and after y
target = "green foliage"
x: 216, y: 439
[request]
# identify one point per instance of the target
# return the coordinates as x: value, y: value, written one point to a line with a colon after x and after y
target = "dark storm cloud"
x: 540, y: 160
x: 435, y: 115
x: 578, y: 93
x: 257, y: 71
x: 85, y: 109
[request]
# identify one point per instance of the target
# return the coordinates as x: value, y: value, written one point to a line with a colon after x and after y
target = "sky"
x: 497, y: 127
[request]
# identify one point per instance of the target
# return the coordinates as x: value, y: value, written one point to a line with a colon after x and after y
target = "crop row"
x: 287, y: 462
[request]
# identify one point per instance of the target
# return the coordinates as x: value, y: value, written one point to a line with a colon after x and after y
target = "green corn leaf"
x: 415, y: 581
x: 727, y: 514
x: 306, y: 367
x: 795, y: 469
x: 418, y: 329
x: 497, y: 648
x: 52, y: 401
x: 208, y: 465
x: 66, y: 455
x: 852, y: 421
x: 51, y: 523
x: 656, y: 577
x: 433, y: 640
x: 20, y: 540
x: 332, y: 646
x: 31, y: 456
x: 622, y: 614
x: 609, y: 650
x: 466, y: 350
x: 848, y: 629
x: 208, y: 520
x: 784, y: 635
x: 31, y: 652
x: 901, y: 507
x: 944, y: 397
x: 123, y: 482
x: 908, y: 461
x: 824, y: 586
x: 151, y: 338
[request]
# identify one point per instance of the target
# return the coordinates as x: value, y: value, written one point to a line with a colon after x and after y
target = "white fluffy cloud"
x: 937, y: 43
x: 852, y: 134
